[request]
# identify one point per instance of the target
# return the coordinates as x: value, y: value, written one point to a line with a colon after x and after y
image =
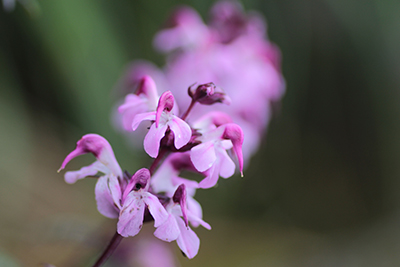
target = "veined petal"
x: 157, y: 210
x: 203, y: 156
x: 131, y: 216
x: 187, y: 241
x: 153, y: 138
x: 106, y: 201
x: 169, y: 230
x: 182, y: 131
x: 142, y: 117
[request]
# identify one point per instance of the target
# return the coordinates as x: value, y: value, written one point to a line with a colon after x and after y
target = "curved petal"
x: 182, y: 131
x: 203, y: 156
x: 169, y: 230
x: 142, y: 117
x: 157, y: 210
x: 153, y: 138
x: 226, y: 164
x: 187, y: 241
x: 211, y: 179
x: 194, y: 220
x: 131, y: 216
x: 104, y: 197
x: 72, y: 176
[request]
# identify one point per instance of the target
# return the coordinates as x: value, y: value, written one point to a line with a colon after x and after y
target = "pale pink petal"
x: 132, y: 106
x: 169, y: 230
x: 157, y: 210
x: 187, y: 241
x: 131, y: 216
x: 211, y: 179
x: 153, y: 138
x: 182, y: 131
x: 142, y: 117
x: 73, y: 176
x: 194, y: 209
x: 194, y: 220
x: 226, y: 164
x: 203, y: 156
x: 104, y: 198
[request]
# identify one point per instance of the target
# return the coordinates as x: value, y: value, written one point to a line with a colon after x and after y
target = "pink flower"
x: 164, y: 120
x: 134, y: 201
x: 176, y: 226
x: 108, y: 188
x: 211, y: 154
x: 145, y: 99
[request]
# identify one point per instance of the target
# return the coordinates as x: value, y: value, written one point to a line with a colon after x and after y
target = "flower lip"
x: 139, y: 181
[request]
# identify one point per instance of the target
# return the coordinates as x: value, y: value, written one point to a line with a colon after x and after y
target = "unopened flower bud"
x: 206, y: 94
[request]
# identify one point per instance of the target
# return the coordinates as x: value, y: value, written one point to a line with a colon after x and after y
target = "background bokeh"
x: 322, y: 191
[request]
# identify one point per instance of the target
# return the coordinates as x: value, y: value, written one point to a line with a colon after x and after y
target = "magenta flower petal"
x: 169, y: 230
x: 187, y: 241
x: 131, y: 216
x: 100, y: 148
x: 153, y: 138
x: 165, y: 105
x: 157, y: 210
x: 203, y: 156
x: 182, y: 131
x: 235, y: 134
x: 108, y: 193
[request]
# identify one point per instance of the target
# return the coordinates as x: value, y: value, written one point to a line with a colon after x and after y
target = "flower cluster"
x: 188, y: 122
x: 232, y: 51
x: 160, y: 194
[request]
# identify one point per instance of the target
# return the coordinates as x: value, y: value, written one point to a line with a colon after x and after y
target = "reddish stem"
x: 184, y: 116
x: 114, y: 242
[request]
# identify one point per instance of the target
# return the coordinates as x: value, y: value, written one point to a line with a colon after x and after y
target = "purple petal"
x: 182, y: 131
x: 169, y: 230
x: 149, y: 116
x: 107, y: 197
x: 157, y: 210
x: 203, y: 156
x: 131, y: 216
x: 187, y: 241
x: 153, y: 138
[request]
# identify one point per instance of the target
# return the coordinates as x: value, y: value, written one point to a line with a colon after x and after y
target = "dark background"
x: 322, y: 190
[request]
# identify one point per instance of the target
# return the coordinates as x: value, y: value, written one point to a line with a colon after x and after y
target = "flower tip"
x: 241, y: 174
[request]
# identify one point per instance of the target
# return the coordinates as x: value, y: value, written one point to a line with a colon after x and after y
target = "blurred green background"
x: 322, y: 191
